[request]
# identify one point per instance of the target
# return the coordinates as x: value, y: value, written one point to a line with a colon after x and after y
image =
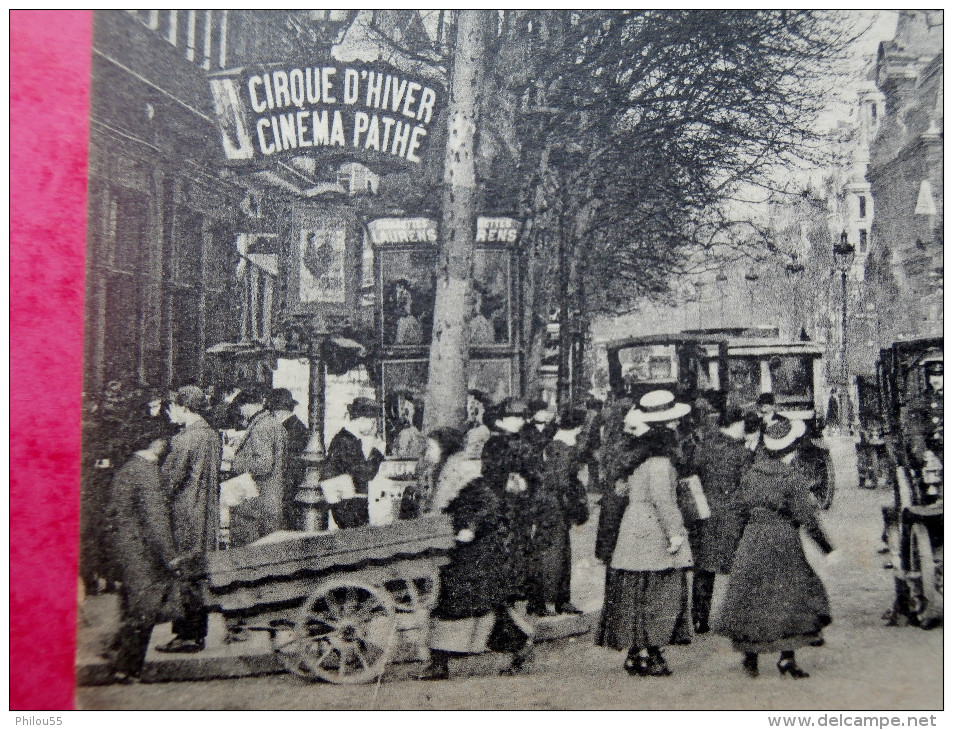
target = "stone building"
x: 903, y: 279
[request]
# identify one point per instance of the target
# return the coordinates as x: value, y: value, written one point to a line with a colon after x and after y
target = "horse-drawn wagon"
x: 910, y: 376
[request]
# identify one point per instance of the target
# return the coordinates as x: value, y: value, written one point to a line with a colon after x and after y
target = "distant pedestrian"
x: 478, y: 432
x: 448, y: 470
x: 262, y: 452
x: 356, y: 451
x: 282, y: 403
x: 647, y: 587
x: 775, y: 602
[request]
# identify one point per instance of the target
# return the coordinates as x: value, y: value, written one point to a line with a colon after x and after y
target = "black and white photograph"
x: 514, y: 360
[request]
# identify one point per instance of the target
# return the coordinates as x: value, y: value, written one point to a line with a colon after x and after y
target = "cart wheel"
x: 345, y: 633
x: 412, y: 595
x: 927, y: 570
x: 287, y: 646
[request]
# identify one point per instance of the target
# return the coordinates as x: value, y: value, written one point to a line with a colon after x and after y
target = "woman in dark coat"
x: 775, y: 601
x: 647, y: 598
x: 486, y: 571
x: 719, y: 460
x: 559, y: 503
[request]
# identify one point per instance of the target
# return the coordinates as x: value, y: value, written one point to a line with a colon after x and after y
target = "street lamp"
x: 843, y: 260
x: 722, y: 281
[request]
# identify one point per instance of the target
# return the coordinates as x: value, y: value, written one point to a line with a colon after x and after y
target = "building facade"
x: 903, y: 281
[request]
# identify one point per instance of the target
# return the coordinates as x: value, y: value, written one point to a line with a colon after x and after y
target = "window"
x: 791, y: 376
x: 862, y: 204
x: 863, y: 240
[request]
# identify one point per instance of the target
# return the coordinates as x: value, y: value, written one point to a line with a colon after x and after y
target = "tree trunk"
x: 445, y: 403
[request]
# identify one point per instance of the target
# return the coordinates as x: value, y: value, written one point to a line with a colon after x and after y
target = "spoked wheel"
x: 927, y: 576
x: 345, y: 633
x: 287, y: 645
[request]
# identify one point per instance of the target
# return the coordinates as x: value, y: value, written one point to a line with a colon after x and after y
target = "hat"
x: 191, y: 397
x: 362, y: 407
x: 782, y: 433
x: 765, y: 399
x: 512, y: 407
x: 250, y: 394
x: 658, y: 405
x: 572, y: 418
x: 281, y: 399
x: 934, y: 367
x: 536, y: 405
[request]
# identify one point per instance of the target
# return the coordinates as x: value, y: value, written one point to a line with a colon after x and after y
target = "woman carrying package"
x: 646, y: 602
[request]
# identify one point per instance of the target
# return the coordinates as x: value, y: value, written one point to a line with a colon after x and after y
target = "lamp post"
x: 843, y: 259
x: 722, y: 280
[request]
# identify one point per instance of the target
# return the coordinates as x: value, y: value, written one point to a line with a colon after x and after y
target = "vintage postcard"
x: 517, y: 359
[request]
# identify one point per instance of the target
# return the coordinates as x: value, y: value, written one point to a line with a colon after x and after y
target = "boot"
x: 657, y: 666
x: 788, y: 665
x: 750, y: 664
x: 438, y: 668
x: 520, y: 658
x: 637, y: 662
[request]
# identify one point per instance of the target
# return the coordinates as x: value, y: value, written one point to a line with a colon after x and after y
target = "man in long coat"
x: 143, y: 549
x: 262, y: 453
x: 282, y: 404
x: 190, y: 474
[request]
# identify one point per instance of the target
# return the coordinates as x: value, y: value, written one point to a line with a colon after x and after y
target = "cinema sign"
x: 371, y: 111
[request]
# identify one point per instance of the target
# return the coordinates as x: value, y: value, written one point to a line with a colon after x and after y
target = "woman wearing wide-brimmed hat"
x: 647, y: 581
x: 775, y: 602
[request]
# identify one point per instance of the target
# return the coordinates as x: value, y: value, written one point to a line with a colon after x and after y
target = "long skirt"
x: 644, y: 609
x: 774, y: 600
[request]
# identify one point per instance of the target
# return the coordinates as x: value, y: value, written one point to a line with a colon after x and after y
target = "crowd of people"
x: 662, y: 541
x: 513, y: 482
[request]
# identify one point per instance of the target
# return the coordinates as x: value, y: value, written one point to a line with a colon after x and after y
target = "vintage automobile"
x: 910, y: 377
x: 731, y: 368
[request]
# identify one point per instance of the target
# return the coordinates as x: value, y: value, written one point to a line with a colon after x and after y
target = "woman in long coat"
x: 720, y: 459
x: 647, y: 583
x: 775, y: 602
x: 486, y: 571
x: 559, y: 502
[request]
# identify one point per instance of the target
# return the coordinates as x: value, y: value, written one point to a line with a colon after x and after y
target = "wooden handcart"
x: 339, y: 606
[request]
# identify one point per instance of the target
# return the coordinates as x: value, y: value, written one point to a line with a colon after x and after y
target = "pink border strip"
x: 50, y: 56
